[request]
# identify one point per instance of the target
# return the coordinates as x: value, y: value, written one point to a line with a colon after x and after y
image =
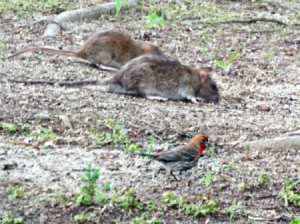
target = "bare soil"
x: 266, y: 72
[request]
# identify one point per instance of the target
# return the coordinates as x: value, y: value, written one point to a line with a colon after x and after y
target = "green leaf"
x: 222, y: 65
x: 232, y: 56
x: 154, y: 19
x: 205, y: 38
x: 118, y: 6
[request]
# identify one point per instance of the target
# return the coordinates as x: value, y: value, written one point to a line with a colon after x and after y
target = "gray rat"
x: 153, y: 77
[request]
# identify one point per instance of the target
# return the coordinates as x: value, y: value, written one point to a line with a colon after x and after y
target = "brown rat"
x: 154, y: 77
x: 107, y: 50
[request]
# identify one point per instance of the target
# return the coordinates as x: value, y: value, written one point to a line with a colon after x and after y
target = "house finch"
x: 183, y: 157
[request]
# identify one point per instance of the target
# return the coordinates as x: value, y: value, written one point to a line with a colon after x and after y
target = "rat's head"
x: 151, y: 48
x: 209, y: 90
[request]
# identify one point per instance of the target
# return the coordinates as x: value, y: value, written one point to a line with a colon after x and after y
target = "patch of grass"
x: 290, y: 193
x: 263, y: 179
x: 295, y: 221
x: 155, y: 19
x: 117, y: 136
x: 83, y: 218
x: 17, y: 193
x: 8, y: 127
x: 144, y: 219
x: 44, y: 134
x: 217, y: 169
x: 88, y: 190
x: 10, y: 218
x: 226, y: 65
x: 202, y: 207
x: 231, y: 210
x: 14, y: 127
x: 25, y: 7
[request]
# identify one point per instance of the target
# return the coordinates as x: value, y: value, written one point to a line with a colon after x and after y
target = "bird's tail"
x: 147, y: 154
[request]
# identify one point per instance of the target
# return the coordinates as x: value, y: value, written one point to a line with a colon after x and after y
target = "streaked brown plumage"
x: 183, y: 157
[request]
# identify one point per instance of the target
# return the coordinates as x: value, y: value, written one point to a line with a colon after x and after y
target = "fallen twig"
x: 289, y: 142
x: 60, y: 21
x: 249, y: 21
x: 264, y: 218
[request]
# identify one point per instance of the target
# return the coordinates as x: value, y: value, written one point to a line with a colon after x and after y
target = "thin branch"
x: 249, y: 21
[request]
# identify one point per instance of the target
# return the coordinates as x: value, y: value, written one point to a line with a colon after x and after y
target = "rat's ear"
x: 203, y: 75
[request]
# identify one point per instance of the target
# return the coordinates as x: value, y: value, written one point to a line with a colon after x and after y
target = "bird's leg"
x: 173, y: 176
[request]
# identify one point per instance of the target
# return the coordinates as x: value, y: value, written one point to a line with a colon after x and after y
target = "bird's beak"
x: 208, y: 144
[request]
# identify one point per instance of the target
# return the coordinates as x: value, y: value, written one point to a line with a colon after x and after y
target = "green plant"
x: 295, y: 221
x: 8, y: 127
x: 9, y: 218
x: 231, y: 210
x: 209, y: 178
x: 119, y: 5
x: 45, y: 134
x: 263, y: 178
x: 83, y: 218
x: 242, y: 186
x: 152, y: 143
x: 118, y: 135
x: 226, y: 65
x: 155, y: 19
x: 17, y: 192
x: 144, y: 219
x: 202, y: 207
x: 127, y: 199
x: 86, y: 195
x: 290, y: 193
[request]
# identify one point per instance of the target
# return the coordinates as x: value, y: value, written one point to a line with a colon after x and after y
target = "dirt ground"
x: 266, y: 72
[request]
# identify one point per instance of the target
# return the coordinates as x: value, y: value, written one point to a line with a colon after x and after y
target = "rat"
x: 153, y: 77
x: 107, y: 50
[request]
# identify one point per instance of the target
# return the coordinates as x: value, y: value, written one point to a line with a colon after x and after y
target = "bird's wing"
x: 179, y: 155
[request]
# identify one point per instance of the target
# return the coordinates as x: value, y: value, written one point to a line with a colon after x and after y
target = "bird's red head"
x: 201, y: 141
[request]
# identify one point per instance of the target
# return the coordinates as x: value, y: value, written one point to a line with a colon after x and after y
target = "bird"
x: 182, y: 158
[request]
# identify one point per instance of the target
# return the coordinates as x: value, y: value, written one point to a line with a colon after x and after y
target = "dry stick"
x: 54, y: 27
x: 240, y: 21
x: 290, y: 142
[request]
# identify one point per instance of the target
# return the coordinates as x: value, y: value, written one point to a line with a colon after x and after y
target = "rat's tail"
x: 44, y: 49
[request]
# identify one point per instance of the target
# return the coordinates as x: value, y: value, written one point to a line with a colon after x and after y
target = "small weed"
x: 226, y: 65
x: 64, y: 200
x: 269, y: 54
x: 231, y: 210
x: 127, y: 199
x: 10, y: 218
x: 152, y: 143
x: 83, y: 218
x: 155, y: 19
x: 44, y: 134
x: 242, y: 186
x: 117, y: 136
x: 119, y: 5
x: 144, y: 219
x: 295, y: 221
x: 209, y: 178
x: 263, y: 178
x: 17, y: 193
x: 203, y: 207
x: 87, y: 193
x: 8, y: 127
x: 290, y: 193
